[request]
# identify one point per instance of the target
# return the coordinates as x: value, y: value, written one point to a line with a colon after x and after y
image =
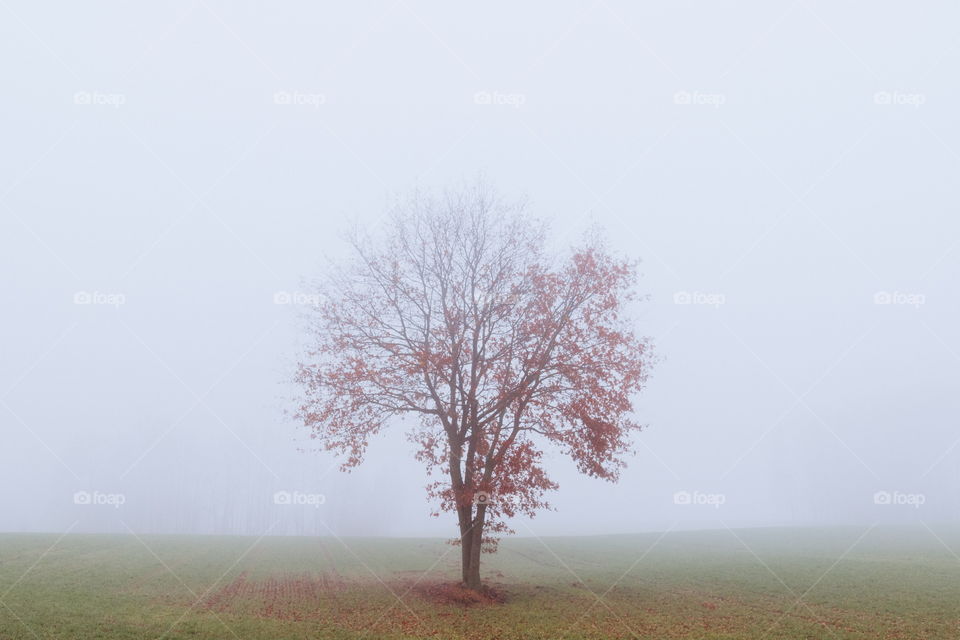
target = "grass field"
x: 854, y: 583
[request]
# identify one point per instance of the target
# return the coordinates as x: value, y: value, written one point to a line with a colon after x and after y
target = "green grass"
x: 889, y: 583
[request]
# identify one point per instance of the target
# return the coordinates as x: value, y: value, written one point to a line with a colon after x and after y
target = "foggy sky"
x: 171, y: 173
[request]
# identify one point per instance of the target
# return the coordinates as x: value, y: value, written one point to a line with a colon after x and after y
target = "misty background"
x: 171, y: 173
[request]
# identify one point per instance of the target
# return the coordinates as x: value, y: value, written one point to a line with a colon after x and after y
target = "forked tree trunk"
x: 471, y: 539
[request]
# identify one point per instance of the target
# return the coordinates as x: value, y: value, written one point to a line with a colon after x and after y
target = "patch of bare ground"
x: 455, y: 593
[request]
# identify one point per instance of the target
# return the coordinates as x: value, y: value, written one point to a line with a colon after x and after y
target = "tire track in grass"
x: 329, y: 557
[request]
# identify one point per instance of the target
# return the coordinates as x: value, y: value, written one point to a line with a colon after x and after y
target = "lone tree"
x: 460, y: 317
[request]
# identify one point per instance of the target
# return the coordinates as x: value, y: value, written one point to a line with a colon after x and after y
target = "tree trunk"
x: 472, y: 580
x: 466, y: 540
x: 472, y: 570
